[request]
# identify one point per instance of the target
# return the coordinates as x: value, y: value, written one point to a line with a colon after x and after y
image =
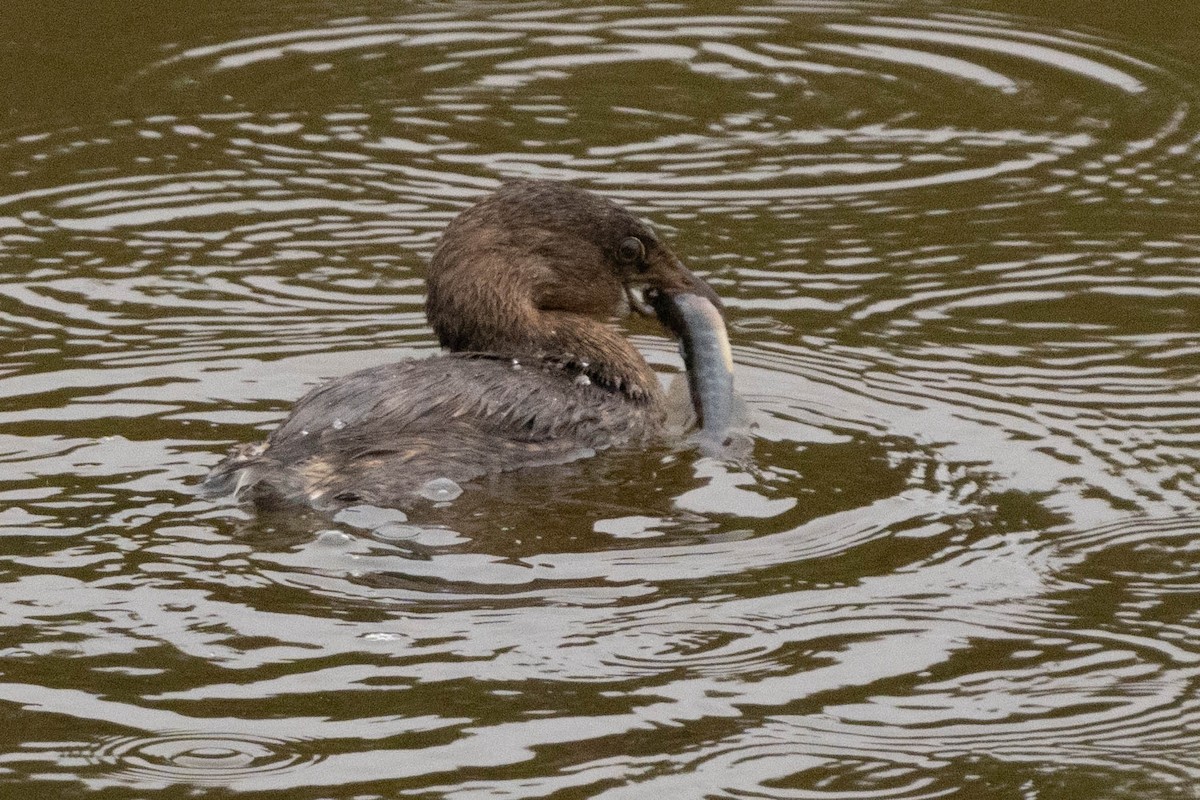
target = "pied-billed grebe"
x: 521, y: 290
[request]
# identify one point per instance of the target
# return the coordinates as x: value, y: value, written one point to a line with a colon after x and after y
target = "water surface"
x: 959, y: 249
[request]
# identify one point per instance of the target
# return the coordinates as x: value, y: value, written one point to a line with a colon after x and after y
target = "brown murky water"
x: 961, y: 251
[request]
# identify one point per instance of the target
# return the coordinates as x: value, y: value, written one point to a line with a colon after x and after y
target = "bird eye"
x: 631, y: 250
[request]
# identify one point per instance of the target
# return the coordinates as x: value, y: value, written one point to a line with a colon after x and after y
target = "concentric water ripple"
x: 312, y: 224
x: 814, y: 102
x: 197, y: 760
x: 959, y: 256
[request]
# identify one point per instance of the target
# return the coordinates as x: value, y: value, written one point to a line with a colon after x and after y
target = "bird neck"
x: 501, y: 318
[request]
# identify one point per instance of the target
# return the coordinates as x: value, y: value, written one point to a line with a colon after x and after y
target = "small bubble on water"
x: 338, y: 424
x: 334, y: 538
x: 440, y: 490
x: 516, y: 364
x: 394, y: 532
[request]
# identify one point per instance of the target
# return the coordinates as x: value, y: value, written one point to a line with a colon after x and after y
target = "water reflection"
x: 960, y: 262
